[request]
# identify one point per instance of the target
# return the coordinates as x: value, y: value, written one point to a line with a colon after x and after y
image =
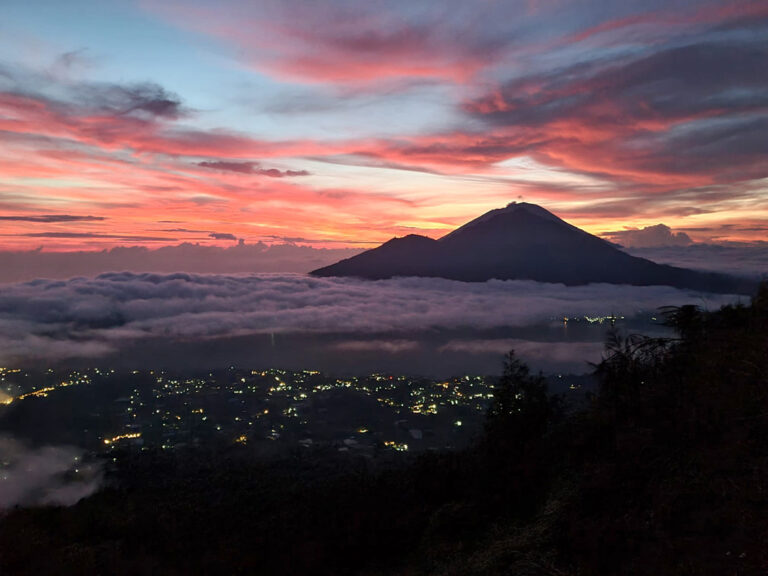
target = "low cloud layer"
x: 378, y: 346
x: 187, y: 257
x: 46, y: 475
x: 749, y: 260
x: 82, y: 318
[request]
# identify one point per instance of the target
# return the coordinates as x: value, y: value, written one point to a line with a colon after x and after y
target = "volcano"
x: 524, y: 242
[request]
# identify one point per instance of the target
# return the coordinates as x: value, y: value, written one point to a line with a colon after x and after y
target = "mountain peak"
x: 532, y: 209
x: 517, y: 211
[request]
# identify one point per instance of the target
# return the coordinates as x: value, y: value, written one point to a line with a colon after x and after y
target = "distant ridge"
x: 524, y: 242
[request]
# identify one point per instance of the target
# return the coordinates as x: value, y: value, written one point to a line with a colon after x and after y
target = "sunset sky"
x: 346, y: 123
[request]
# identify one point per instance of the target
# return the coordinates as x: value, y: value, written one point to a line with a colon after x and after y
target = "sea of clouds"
x: 54, y: 320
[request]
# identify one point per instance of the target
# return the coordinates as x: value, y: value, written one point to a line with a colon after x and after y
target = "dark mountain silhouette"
x: 524, y: 242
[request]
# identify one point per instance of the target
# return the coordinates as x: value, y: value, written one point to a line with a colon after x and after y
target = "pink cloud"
x: 353, y: 43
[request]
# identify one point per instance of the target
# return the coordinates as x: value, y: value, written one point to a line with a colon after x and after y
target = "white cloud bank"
x: 93, y: 317
x: 657, y: 235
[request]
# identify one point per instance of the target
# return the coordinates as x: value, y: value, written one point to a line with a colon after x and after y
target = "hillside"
x: 664, y: 472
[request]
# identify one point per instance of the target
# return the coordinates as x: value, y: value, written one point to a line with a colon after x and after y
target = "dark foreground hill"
x: 665, y: 472
x: 523, y: 241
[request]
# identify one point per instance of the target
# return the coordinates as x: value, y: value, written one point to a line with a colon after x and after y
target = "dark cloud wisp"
x: 52, y: 218
x: 251, y: 168
x: 222, y: 236
x: 145, y: 99
x: 130, y: 238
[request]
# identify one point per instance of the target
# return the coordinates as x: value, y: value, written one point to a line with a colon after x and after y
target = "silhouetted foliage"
x: 629, y: 364
x: 521, y: 408
x: 674, y: 478
x: 687, y: 320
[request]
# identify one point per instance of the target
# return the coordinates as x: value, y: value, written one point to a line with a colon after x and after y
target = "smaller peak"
x: 408, y: 239
x: 412, y: 238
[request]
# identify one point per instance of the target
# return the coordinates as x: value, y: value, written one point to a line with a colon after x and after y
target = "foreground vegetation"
x: 665, y: 472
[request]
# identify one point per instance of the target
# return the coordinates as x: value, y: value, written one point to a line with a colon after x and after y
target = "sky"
x: 343, y: 124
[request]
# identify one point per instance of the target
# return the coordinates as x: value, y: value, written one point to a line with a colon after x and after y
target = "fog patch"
x: 386, y: 346
x: 54, y: 475
x: 546, y: 356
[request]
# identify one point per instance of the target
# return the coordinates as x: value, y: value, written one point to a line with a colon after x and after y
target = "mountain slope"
x: 523, y: 241
x: 406, y: 256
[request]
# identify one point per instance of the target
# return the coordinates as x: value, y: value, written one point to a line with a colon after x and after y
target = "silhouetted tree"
x: 521, y: 407
x: 760, y: 301
x: 629, y: 364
